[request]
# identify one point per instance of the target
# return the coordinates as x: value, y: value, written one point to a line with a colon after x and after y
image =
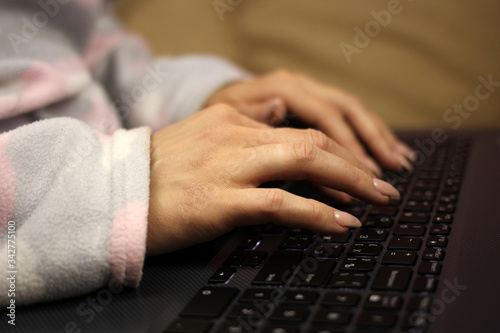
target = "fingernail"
x: 346, y: 220
x: 403, y: 161
x: 274, y: 111
x: 370, y: 163
x: 386, y: 189
x: 406, y: 151
x: 412, y: 156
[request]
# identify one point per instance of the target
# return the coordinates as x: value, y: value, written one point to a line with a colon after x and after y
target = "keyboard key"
x: 299, y: 297
x: 340, y: 299
x: 426, y: 184
x: 249, y: 242
x: 368, y: 235
x: 284, y: 313
x: 449, y: 190
x: 209, y: 302
x: 419, y: 303
x: 182, y: 325
x: 296, y: 242
x: 327, y: 250
x: 301, y: 232
x: 254, y: 258
x: 246, y: 311
x: 378, y: 222
x: 357, y: 211
x: 452, y: 198
x: 349, y: 280
x: 392, y: 278
x: 230, y: 327
x: 384, y: 210
x: 381, y: 319
x: 316, y: 275
x: 429, y: 267
x: 268, y: 228
x: 383, y: 301
x: 405, y: 243
x: 425, y: 283
x: 409, y: 230
x: 236, y: 258
x: 279, y: 329
x: 365, y: 249
x: 277, y: 268
x: 222, y: 275
x: 259, y: 295
x: 440, y: 229
x: 421, y: 206
x: 414, y: 217
x: 415, y: 320
x: 399, y: 258
x: 325, y: 316
x: 446, y: 208
x: 422, y: 195
x: 443, y: 218
x: 324, y: 330
x: 358, y: 264
x: 433, y: 254
x: 336, y: 238
x: 437, y: 241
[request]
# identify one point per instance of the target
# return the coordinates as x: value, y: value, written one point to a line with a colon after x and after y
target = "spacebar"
x: 278, y: 267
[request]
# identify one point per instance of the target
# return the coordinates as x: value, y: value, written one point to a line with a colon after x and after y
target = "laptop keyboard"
x: 382, y: 276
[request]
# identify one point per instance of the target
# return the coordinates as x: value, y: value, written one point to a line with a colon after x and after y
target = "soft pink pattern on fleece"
x: 128, y: 243
x: 100, y: 46
x: 42, y: 86
x: 7, y: 182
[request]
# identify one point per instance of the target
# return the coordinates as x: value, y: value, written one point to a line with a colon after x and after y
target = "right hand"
x: 205, y: 171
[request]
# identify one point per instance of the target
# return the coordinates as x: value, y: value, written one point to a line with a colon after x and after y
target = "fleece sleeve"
x: 78, y: 209
x: 153, y: 91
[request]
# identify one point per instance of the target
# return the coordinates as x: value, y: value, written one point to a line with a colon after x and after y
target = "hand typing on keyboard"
x: 341, y: 116
x: 205, y: 172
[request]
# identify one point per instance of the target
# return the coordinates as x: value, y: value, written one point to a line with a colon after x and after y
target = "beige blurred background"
x: 426, y: 58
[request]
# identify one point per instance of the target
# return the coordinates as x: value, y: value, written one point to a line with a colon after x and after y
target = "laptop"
x: 429, y: 263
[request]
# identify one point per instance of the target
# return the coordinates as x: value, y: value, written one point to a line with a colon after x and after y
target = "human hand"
x: 341, y: 116
x: 205, y: 171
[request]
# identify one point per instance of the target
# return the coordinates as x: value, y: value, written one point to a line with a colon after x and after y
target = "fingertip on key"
x: 346, y: 220
x: 386, y: 189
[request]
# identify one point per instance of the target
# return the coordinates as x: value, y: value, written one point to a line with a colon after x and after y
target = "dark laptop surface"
x: 427, y: 264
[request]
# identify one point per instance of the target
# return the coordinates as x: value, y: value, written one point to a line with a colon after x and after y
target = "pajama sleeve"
x: 76, y: 201
x: 79, y: 98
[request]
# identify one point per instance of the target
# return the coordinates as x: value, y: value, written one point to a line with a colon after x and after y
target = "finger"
x: 229, y: 114
x: 338, y: 129
x: 372, y: 130
x: 319, y: 139
x: 303, y: 160
x: 336, y: 196
x: 270, y: 112
x: 329, y: 119
x: 375, y: 133
x: 406, y: 151
x: 258, y: 205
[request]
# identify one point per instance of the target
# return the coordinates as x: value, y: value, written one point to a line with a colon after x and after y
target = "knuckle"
x: 303, y: 151
x: 273, y: 201
x: 353, y: 100
x: 318, y: 138
x: 356, y: 176
x: 317, y: 212
x: 225, y: 112
x: 282, y: 74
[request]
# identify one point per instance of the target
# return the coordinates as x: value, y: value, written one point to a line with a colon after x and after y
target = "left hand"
x: 341, y: 116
